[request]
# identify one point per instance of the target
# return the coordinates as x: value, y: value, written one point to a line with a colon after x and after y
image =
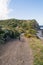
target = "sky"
x: 22, y: 9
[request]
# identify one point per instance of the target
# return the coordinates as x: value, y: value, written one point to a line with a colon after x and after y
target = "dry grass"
x: 37, y: 47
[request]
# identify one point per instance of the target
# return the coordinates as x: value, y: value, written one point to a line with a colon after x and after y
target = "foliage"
x: 8, y: 34
x: 37, y: 47
x: 33, y: 25
x: 28, y: 35
x: 12, y: 28
x: 32, y: 31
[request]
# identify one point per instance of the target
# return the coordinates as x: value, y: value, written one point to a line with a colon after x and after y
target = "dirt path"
x: 16, y: 53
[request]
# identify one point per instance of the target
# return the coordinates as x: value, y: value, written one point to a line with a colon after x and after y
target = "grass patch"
x: 37, y: 47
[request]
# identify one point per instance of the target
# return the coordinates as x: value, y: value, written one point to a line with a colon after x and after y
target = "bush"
x: 16, y: 34
x: 13, y: 25
x: 28, y: 35
x: 32, y: 31
x: 1, y: 39
x: 7, y: 34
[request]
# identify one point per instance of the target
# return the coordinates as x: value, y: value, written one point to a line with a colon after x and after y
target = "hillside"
x: 12, y: 28
x: 16, y: 22
x: 23, y: 51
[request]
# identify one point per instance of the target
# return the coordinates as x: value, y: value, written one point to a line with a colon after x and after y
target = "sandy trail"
x: 16, y: 53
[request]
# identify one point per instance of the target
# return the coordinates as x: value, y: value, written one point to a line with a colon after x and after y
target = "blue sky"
x: 26, y: 9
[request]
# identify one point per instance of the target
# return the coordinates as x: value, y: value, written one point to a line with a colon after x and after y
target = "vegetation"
x: 7, y: 34
x: 12, y: 28
x: 30, y: 33
x: 37, y: 47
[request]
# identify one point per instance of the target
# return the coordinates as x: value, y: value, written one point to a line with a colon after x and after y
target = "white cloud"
x: 4, y: 10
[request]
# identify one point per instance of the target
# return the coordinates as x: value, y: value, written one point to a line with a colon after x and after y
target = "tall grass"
x: 37, y: 47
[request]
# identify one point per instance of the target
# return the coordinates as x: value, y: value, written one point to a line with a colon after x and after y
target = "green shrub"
x: 32, y: 31
x: 1, y: 39
x: 13, y: 24
x: 7, y: 34
x: 16, y: 34
x: 28, y: 35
